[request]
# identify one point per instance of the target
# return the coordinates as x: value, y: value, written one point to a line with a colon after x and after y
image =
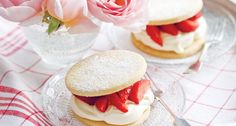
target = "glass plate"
x: 56, y: 101
x: 212, y: 12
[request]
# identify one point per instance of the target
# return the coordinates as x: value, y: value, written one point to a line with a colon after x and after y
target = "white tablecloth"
x: 210, y: 94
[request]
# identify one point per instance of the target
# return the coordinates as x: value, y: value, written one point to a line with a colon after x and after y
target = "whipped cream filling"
x: 177, y: 43
x: 112, y: 114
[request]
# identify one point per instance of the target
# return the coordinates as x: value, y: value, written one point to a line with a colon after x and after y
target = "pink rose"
x: 19, y: 10
x: 67, y: 11
x: 73, y: 13
x: 120, y: 12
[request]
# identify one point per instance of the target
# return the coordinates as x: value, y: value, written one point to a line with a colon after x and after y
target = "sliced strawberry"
x: 195, y: 17
x: 187, y: 26
x: 154, y: 34
x: 120, y: 2
x: 124, y: 94
x: 115, y: 100
x: 102, y: 103
x: 88, y: 100
x: 138, y: 90
x: 170, y: 29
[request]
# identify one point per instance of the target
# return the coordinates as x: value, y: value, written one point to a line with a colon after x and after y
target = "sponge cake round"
x: 105, y: 73
x: 162, y: 12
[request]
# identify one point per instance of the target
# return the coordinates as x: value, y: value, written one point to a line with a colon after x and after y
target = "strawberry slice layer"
x: 88, y: 100
x: 138, y: 90
x: 155, y: 34
x: 187, y: 26
x: 102, y: 104
x: 118, y: 99
x: 115, y: 100
x: 124, y: 94
x: 170, y: 29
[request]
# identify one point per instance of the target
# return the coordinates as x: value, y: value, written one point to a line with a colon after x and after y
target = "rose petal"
x: 67, y: 10
x: 6, y: 3
x: 78, y: 7
x: 33, y: 20
x: 54, y: 8
x: 119, y: 15
x: 19, y: 10
x: 17, y: 13
x: 36, y: 4
x: 85, y: 26
x: 19, y: 2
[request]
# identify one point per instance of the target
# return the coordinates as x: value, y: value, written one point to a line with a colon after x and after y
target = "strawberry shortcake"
x: 176, y: 29
x: 107, y: 89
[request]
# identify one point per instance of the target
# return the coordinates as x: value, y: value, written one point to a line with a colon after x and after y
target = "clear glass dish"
x: 59, y: 48
x: 212, y: 11
x: 56, y: 98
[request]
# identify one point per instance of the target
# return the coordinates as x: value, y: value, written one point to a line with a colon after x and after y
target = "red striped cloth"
x: 210, y: 94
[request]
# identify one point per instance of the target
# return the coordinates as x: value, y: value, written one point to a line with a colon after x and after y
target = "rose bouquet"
x: 70, y: 25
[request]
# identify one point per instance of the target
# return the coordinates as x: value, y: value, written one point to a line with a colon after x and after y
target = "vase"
x: 59, y: 48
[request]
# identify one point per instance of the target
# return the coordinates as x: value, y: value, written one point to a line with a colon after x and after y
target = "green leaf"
x: 54, y: 24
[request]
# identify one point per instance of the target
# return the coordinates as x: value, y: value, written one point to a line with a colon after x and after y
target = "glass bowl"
x: 60, y: 48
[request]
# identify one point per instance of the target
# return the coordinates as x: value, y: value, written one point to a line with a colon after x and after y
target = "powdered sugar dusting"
x: 107, y: 70
x: 168, y: 9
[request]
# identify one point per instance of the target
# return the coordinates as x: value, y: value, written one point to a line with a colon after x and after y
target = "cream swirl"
x: 112, y: 114
x: 177, y: 43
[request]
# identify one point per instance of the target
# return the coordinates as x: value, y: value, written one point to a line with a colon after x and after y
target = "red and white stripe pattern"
x: 12, y: 42
x: 15, y: 103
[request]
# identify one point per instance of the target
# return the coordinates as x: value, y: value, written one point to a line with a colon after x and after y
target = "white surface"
x: 6, y: 26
